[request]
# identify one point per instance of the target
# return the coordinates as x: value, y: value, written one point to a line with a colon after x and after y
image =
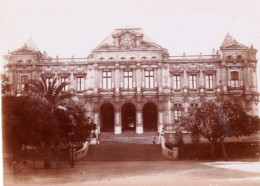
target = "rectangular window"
x: 234, y: 79
x: 24, y: 82
x: 149, y: 79
x: 177, y: 105
x: 177, y: 82
x: 128, y: 80
x: 177, y: 114
x: 194, y: 105
x: 106, y: 80
x: 48, y: 81
x: 193, y: 81
x: 65, y: 79
x: 209, y: 81
x: 80, y: 83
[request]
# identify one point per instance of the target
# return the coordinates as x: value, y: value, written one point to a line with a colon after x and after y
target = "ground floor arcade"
x: 128, y: 115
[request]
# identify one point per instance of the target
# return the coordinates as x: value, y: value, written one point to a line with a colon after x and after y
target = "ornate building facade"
x: 129, y: 82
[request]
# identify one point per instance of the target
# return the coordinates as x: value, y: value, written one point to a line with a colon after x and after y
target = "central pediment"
x: 127, y: 39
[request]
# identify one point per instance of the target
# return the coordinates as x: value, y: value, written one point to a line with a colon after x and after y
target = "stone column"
x: 168, y: 114
x: 217, y: 80
x: 138, y: 78
x: 96, y: 120
x: 160, y: 77
x: 160, y: 120
x: 99, y: 84
x: 185, y: 82
x: 225, y: 76
x: 254, y: 79
x: 118, y: 126
x: 96, y: 78
x: 201, y: 82
x: 139, y: 119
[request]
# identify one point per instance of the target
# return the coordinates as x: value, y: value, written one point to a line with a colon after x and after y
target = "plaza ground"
x: 139, y: 173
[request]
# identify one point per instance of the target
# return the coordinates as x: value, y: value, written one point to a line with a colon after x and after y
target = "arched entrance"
x: 150, y: 117
x: 128, y: 113
x: 107, y: 117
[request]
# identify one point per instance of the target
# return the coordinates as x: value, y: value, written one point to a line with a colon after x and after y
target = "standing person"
x: 154, y: 140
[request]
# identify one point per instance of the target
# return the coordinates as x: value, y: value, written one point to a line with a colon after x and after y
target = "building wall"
x: 216, y: 78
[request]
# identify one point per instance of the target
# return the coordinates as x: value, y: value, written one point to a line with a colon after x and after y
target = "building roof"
x: 30, y: 44
x: 230, y: 41
x: 109, y: 41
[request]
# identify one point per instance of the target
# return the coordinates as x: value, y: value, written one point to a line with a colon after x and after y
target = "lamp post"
x: 72, y: 135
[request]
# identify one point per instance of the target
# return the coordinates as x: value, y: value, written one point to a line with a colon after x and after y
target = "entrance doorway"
x: 107, y: 117
x: 128, y: 115
x: 150, y: 117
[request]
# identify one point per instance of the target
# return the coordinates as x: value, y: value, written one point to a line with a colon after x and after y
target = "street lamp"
x: 72, y: 137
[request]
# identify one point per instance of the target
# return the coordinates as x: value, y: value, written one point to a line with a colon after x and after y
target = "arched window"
x: 122, y: 59
x: 132, y: 58
x: 101, y: 59
x: 143, y: 59
x: 111, y: 59
x: 154, y: 58
x: 239, y: 57
x: 229, y: 57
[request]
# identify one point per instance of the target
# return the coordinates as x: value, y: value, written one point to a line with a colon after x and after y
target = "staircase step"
x: 114, y: 151
x: 127, y: 146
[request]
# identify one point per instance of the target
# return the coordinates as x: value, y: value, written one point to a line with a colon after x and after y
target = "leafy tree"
x: 26, y: 121
x: 216, y: 122
x: 5, y: 85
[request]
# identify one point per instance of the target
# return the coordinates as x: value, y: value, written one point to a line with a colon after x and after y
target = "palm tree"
x: 51, y: 93
x: 54, y: 97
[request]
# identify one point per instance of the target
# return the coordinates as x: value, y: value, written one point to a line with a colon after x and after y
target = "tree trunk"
x: 223, y: 149
x: 47, y: 158
x: 212, y: 150
x: 58, y: 156
x: 34, y: 167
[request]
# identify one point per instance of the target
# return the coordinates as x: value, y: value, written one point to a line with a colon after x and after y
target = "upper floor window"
x: 209, y: 81
x: 80, y: 83
x: 128, y: 80
x: 24, y: 82
x: 177, y: 105
x: 101, y: 59
x: 154, y: 58
x: 106, y: 80
x: 229, y: 57
x: 132, y: 59
x: 177, y: 114
x: 20, y: 61
x: 234, y: 79
x: 194, y: 105
x: 48, y: 81
x: 149, y: 79
x: 177, y: 82
x: 111, y: 59
x: 122, y: 59
x: 239, y: 57
x: 193, y: 81
x: 64, y: 79
x: 29, y: 61
x: 143, y: 59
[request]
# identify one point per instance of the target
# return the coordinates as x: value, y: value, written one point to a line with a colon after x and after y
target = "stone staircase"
x: 127, y: 146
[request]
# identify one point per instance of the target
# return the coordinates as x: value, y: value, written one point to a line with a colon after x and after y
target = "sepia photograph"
x: 130, y: 92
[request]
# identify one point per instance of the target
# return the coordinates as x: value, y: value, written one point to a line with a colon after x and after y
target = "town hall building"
x: 129, y: 82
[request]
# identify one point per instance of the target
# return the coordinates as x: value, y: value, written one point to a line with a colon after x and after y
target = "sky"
x: 74, y: 27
